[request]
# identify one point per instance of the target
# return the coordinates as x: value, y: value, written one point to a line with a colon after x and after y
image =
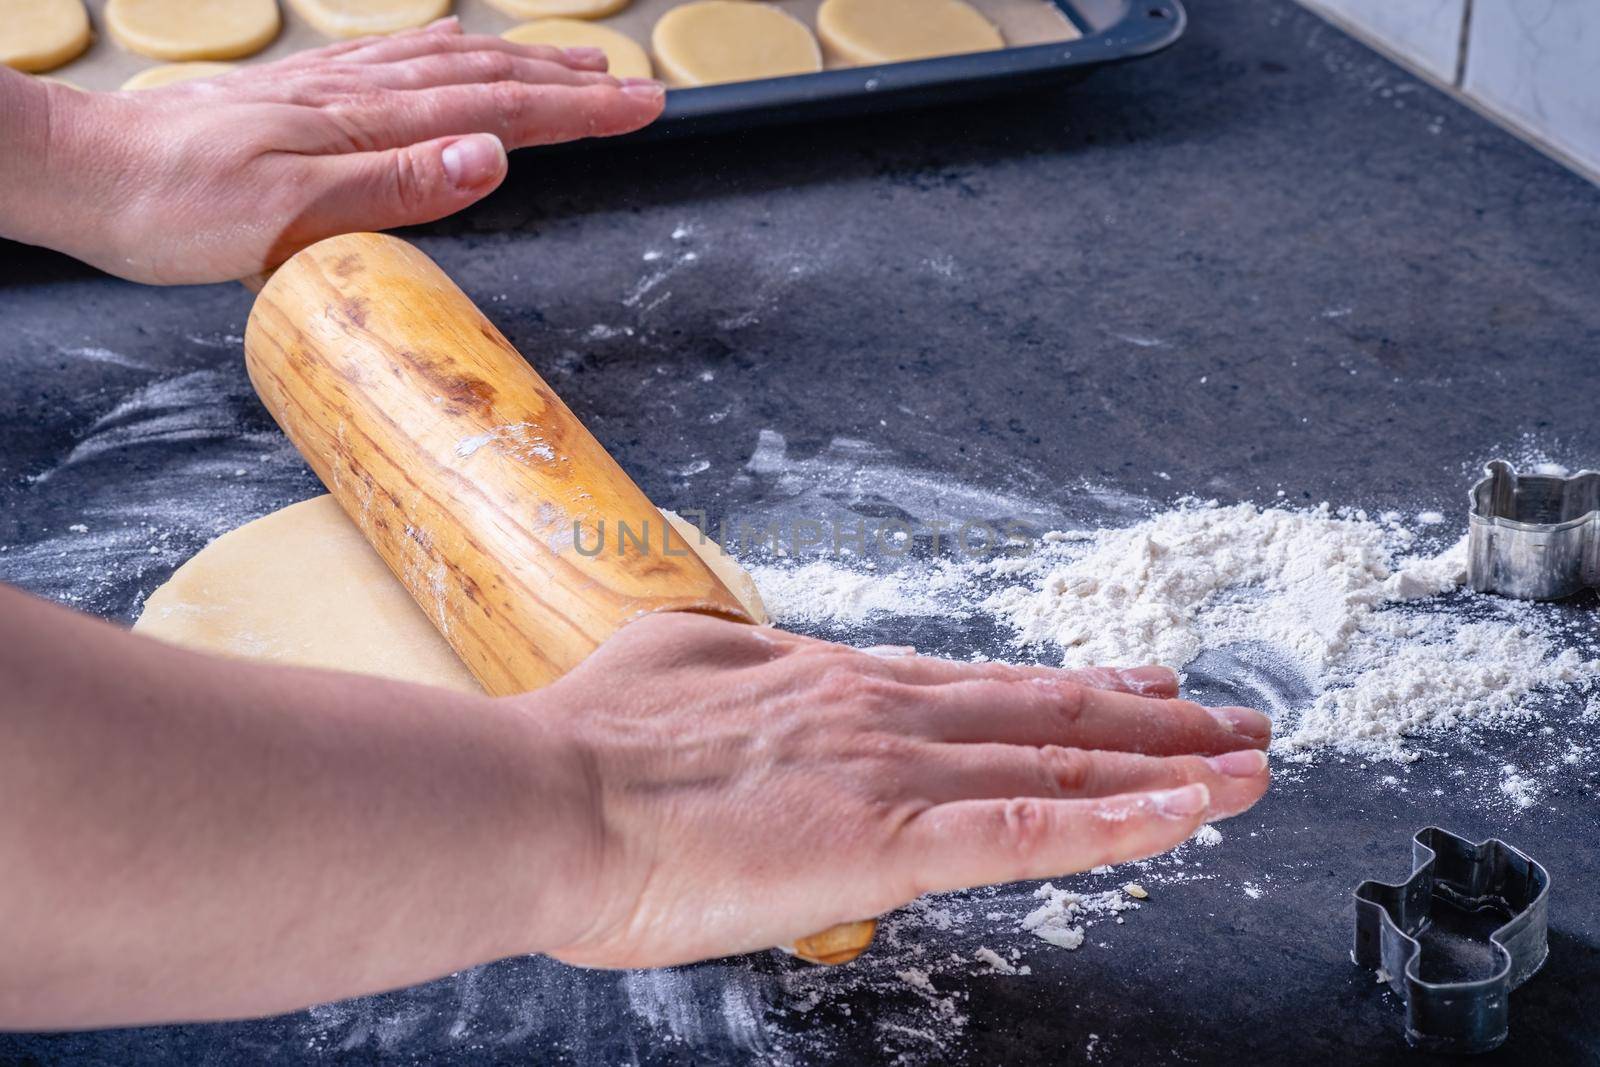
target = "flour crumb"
x: 998, y: 964
x: 1064, y: 916
x: 1207, y: 835
x: 1518, y: 788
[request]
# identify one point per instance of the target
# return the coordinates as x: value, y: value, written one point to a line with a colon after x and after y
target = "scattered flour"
x: 826, y: 592
x: 1325, y: 594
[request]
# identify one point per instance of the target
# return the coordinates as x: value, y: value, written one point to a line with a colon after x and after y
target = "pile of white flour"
x: 1367, y: 633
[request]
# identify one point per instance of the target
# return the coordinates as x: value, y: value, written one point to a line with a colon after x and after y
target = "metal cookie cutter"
x: 1456, y: 938
x: 1534, y: 536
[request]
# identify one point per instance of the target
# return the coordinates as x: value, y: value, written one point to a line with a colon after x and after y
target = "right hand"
x: 750, y: 787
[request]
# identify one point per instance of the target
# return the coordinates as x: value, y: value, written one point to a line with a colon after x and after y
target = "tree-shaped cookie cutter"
x: 1534, y: 536
x: 1472, y: 878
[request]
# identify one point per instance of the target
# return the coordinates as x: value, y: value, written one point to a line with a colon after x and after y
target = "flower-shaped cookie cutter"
x: 1431, y: 940
x: 1534, y: 536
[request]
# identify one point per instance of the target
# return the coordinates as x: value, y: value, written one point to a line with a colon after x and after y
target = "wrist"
x: 56, y: 159
x: 555, y: 863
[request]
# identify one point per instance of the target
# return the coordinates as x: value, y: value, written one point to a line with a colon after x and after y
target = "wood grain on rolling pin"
x: 461, y: 466
x: 468, y: 474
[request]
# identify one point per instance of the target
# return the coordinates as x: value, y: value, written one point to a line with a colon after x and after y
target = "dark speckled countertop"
x: 1265, y: 261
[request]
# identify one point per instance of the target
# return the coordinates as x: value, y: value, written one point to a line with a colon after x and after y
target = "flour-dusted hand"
x: 752, y: 786
x: 221, y: 178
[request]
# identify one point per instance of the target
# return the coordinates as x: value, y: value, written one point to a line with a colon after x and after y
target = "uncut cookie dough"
x: 862, y: 32
x: 575, y: 9
x: 173, y: 73
x: 180, y: 30
x: 624, y: 57
x: 42, y: 34
x: 712, y: 41
x: 358, y: 18
x: 302, y: 587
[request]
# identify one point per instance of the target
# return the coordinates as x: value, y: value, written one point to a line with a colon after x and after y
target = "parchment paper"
x: 106, y: 65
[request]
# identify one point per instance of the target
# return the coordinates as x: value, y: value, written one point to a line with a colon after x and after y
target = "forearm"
x: 187, y: 837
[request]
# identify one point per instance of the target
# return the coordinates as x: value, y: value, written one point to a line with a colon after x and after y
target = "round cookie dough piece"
x: 862, y: 32
x: 358, y: 18
x: 42, y: 34
x: 713, y: 41
x: 302, y: 587
x: 572, y: 9
x: 624, y: 57
x: 173, y: 73
x: 181, y: 30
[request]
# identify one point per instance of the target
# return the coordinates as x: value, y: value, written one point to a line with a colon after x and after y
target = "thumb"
x: 405, y: 186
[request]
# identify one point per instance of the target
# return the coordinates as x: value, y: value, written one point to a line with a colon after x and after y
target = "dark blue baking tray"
x: 1114, y: 31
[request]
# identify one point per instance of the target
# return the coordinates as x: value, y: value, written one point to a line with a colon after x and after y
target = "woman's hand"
x: 222, y: 178
x: 751, y: 787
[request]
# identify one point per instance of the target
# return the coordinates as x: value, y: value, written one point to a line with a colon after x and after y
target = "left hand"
x: 222, y: 178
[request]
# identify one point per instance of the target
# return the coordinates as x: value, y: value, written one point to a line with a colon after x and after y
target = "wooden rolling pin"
x: 481, y: 490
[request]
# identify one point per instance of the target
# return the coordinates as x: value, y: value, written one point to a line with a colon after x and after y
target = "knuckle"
x: 1069, y: 702
x: 1069, y: 771
x: 411, y: 186
x: 494, y: 66
x: 507, y: 98
x: 1024, y: 829
x: 838, y: 682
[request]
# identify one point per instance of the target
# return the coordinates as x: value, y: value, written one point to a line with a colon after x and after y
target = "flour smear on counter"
x: 1354, y: 640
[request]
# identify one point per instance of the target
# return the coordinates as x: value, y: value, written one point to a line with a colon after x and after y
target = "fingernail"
x: 1246, y: 722
x: 585, y: 55
x: 1246, y: 763
x: 1181, y: 803
x: 448, y: 20
x: 1148, y: 679
x: 644, y: 88
x: 471, y: 161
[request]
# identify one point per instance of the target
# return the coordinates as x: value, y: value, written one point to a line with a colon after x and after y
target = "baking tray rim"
x: 1149, y: 26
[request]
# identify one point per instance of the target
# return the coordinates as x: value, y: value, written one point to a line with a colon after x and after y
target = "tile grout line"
x: 1506, y: 121
x: 1462, y: 44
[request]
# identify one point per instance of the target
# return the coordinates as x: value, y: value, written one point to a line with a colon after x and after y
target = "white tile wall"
x: 1536, y: 63
x: 1424, y: 33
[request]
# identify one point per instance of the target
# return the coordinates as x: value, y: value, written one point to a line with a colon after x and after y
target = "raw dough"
x: 42, y: 34
x: 713, y: 41
x: 862, y: 32
x: 179, y: 30
x: 357, y: 18
x: 173, y: 73
x: 302, y: 586
x: 623, y: 55
x: 577, y: 9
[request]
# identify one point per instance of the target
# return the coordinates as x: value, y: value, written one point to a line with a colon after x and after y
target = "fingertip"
x: 1149, y: 681
x: 474, y: 163
x: 1190, y: 801
x: 1247, y: 723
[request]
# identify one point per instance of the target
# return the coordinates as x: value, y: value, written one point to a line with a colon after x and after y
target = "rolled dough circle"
x: 358, y: 18
x: 893, y: 31
x: 713, y: 41
x: 181, y: 30
x: 173, y: 73
x: 624, y: 57
x: 573, y: 9
x: 42, y: 34
x: 302, y: 587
